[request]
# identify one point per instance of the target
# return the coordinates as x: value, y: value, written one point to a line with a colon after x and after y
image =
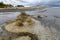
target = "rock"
x: 39, y: 16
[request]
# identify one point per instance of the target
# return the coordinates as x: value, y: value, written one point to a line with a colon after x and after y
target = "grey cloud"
x: 50, y: 3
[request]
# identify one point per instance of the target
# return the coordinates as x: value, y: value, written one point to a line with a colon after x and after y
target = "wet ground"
x: 51, y: 22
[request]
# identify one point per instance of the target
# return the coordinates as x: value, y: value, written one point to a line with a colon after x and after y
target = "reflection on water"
x: 51, y: 23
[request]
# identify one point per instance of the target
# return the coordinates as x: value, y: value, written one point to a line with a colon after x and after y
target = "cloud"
x: 33, y: 2
x: 13, y: 2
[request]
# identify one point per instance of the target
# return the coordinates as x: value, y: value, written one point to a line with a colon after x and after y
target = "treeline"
x: 19, y: 6
x: 2, y: 5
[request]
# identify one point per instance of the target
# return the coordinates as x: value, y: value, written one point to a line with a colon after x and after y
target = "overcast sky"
x: 33, y: 2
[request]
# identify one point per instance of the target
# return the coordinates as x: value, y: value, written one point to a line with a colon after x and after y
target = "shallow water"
x: 51, y: 23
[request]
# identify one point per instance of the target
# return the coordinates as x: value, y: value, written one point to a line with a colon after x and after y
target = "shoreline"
x: 19, y: 9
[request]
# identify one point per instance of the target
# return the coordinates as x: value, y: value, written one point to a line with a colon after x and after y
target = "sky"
x: 33, y: 2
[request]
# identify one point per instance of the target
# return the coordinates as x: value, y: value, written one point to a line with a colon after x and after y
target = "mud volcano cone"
x: 22, y: 27
x: 23, y: 23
